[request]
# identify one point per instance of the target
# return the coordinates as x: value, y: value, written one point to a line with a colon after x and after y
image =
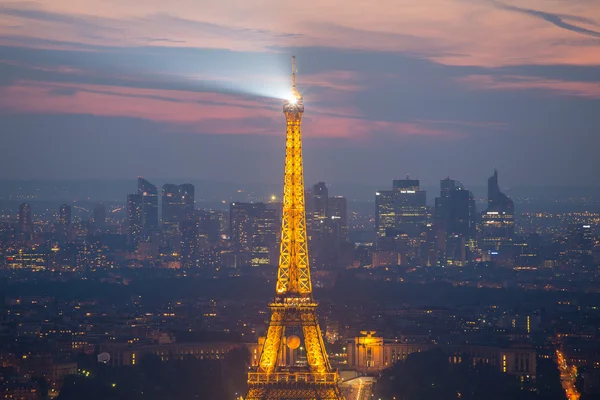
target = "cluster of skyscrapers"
x: 451, y: 233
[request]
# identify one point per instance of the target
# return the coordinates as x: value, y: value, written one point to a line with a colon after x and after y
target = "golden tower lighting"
x: 293, y: 306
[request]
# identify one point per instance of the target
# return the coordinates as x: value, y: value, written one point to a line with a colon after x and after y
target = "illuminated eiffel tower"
x: 293, y: 308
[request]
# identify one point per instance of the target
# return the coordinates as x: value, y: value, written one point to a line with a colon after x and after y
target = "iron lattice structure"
x: 293, y: 305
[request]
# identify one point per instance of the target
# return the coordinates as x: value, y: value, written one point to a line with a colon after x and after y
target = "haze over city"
x: 439, y: 88
x: 332, y: 200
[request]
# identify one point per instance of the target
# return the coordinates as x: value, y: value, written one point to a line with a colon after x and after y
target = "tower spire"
x: 295, y: 92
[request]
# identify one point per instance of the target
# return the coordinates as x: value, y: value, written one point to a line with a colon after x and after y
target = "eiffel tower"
x: 293, y: 308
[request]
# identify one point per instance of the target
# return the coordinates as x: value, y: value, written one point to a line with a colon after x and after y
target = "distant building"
x: 25, y: 222
x: 64, y: 223
x: 99, y: 218
x: 134, y: 218
x: 320, y: 203
x: 402, y: 209
x: 498, y: 220
x: 401, y: 214
x: 455, y: 222
x: 253, y: 229
x: 64, y: 217
x: 337, y: 213
x: 149, y: 194
x: 177, y: 205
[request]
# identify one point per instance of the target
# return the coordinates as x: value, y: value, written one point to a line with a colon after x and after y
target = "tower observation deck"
x: 293, y: 310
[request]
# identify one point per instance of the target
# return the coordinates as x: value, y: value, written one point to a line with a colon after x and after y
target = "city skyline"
x: 425, y: 89
x: 353, y: 257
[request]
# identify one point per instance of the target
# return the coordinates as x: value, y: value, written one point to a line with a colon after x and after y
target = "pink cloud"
x: 489, y: 33
x: 213, y: 113
x: 568, y: 88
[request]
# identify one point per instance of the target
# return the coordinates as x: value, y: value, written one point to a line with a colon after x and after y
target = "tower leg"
x: 315, y: 348
x: 272, y: 346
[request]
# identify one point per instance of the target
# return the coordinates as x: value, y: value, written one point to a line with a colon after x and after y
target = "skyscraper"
x: 401, y: 210
x: 64, y: 216
x: 177, y: 205
x: 64, y: 223
x: 385, y: 212
x: 455, y: 219
x: 149, y: 193
x: 99, y: 218
x: 24, y: 223
x: 337, y: 213
x: 320, y: 200
x: 253, y: 229
x: 498, y: 220
x: 189, y: 241
x: 134, y: 218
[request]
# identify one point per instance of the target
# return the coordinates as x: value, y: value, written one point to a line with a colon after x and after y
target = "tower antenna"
x: 294, y: 89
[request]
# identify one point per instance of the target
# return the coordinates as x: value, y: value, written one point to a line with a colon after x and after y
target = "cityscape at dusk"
x: 324, y: 200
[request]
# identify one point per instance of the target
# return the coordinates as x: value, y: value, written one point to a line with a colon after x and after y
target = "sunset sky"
x: 192, y: 89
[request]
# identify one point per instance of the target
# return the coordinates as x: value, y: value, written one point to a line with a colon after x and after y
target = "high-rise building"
x: 498, y: 220
x: 134, y: 218
x: 455, y: 222
x: 253, y: 229
x: 385, y: 212
x: 337, y: 213
x: 171, y: 203
x: 149, y: 193
x: 189, y: 241
x: 24, y: 223
x: 401, y: 210
x: 99, y: 218
x: 64, y: 223
x: 401, y: 219
x: 64, y: 216
x: 320, y: 200
x: 177, y: 205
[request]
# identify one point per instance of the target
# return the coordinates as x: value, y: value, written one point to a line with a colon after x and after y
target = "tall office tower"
x: 385, y: 212
x: 64, y: 215
x: 222, y: 217
x: 209, y: 225
x: 149, y: 193
x: 64, y: 223
x: 24, y: 223
x: 177, y: 205
x: 401, y: 213
x: 171, y: 207
x: 455, y: 223
x: 293, y: 311
x: 337, y: 213
x: 188, y: 199
x: 320, y: 199
x: 134, y: 218
x: 241, y: 223
x: 253, y: 228
x: 189, y: 241
x: 498, y: 220
x: 401, y: 210
x: 99, y: 218
x: 411, y: 208
x: 264, y: 238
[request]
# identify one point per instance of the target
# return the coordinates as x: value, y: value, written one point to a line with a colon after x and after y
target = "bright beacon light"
x: 292, y: 99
